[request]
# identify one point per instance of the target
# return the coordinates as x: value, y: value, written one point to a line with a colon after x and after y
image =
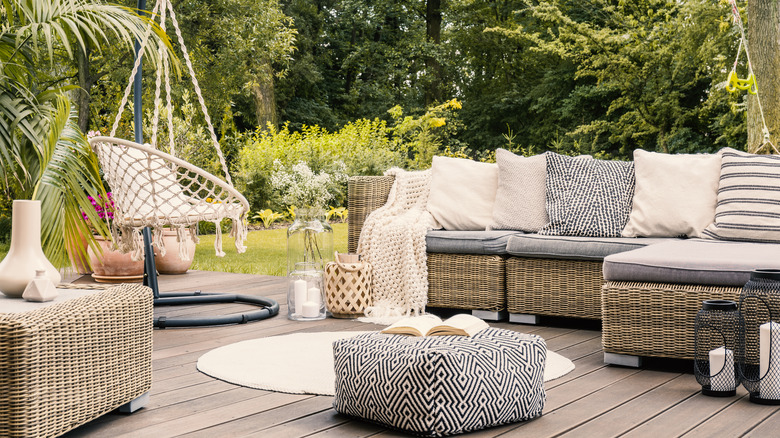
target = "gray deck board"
x: 594, y: 400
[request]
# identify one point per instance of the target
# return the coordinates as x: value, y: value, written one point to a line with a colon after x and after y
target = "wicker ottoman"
x: 68, y: 363
x: 441, y: 385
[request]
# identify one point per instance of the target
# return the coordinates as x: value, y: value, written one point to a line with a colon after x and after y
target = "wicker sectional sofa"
x: 642, y: 313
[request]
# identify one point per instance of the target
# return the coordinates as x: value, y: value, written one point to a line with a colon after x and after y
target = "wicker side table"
x: 68, y: 363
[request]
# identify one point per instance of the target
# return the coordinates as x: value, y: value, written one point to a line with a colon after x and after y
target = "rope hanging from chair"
x: 749, y: 84
x: 156, y: 189
x: 164, y: 7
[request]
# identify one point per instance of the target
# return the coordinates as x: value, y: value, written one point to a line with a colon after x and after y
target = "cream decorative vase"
x: 40, y: 289
x: 25, y: 255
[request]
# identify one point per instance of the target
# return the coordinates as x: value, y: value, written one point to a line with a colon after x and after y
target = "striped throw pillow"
x: 748, y: 206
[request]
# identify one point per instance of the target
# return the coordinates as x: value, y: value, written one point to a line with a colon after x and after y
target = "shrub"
x: 362, y: 146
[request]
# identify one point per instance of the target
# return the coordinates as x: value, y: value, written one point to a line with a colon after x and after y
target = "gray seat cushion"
x: 693, y: 261
x: 468, y: 242
x: 574, y: 247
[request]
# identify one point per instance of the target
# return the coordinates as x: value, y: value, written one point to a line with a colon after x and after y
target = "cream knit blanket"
x: 393, y: 242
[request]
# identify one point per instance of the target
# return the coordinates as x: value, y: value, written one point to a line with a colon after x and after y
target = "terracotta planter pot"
x: 171, y: 263
x: 115, y: 267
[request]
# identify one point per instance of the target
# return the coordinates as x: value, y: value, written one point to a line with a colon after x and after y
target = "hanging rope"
x: 162, y: 6
x: 750, y: 84
x: 155, y: 189
x: 136, y: 65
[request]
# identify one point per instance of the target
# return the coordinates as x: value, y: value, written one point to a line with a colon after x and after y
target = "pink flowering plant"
x: 103, y: 207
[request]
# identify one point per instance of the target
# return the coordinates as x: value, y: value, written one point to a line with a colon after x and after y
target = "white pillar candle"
x: 311, y: 309
x: 769, y: 343
x: 299, y: 295
x: 722, y: 370
x: 314, y: 295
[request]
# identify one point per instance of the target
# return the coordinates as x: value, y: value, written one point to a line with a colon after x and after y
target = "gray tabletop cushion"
x: 574, y: 247
x: 693, y: 261
x: 468, y: 242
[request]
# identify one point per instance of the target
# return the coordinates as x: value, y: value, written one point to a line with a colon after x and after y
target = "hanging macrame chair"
x: 153, y: 190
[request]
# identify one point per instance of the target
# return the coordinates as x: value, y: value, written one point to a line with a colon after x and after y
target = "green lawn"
x: 266, y: 252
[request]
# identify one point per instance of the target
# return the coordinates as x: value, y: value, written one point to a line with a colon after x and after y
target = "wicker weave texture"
x: 466, y: 281
x: 69, y: 363
x: 653, y: 319
x: 365, y: 194
x: 348, y: 289
x: 569, y: 288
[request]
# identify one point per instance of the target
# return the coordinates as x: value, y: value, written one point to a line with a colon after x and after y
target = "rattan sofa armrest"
x: 365, y: 194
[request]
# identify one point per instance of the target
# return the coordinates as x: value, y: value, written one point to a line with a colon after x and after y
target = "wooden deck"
x: 595, y: 400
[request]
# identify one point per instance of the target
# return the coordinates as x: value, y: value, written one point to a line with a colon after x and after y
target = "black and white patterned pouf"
x: 441, y: 385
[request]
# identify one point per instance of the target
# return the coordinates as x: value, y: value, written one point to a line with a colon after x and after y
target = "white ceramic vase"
x: 25, y: 255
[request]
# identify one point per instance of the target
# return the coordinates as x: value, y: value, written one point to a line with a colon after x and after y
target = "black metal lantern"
x: 759, y: 304
x: 718, y: 330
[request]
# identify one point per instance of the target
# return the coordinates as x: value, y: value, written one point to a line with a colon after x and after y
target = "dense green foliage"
x: 365, y: 82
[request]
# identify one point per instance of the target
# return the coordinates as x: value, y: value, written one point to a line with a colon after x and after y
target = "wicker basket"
x: 347, y: 288
x: 655, y: 319
x: 466, y: 281
x: 568, y: 288
x: 71, y: 362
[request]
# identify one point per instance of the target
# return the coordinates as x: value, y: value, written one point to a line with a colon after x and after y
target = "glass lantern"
x: 718, y: 331
x: 309, y: 249
x: 759, y: 303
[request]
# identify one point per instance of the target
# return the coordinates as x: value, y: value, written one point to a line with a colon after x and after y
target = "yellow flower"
x: 454, y: 104
x: 437, y: 121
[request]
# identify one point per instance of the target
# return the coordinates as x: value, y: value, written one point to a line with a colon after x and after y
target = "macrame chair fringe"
x: 157, y: 190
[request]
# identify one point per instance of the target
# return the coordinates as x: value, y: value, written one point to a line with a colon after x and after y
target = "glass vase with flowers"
x: 309, y: 237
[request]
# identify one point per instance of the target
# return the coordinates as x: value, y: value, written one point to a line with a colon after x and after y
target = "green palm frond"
x: 69, y: 174
x: 63, y: 23
x: 43, y: 155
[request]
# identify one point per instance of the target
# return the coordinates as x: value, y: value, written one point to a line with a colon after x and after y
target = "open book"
x: 431, y: 325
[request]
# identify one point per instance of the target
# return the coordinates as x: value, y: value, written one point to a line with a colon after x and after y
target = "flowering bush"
x: 302, y: 188
x: 104, y: 209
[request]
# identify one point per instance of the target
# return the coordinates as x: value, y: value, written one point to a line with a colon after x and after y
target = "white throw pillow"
x: 675, y: 195
x: 520, y: 199
x: 462, y: 193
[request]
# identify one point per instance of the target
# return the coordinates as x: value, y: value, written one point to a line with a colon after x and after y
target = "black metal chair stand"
x: 269, y: 307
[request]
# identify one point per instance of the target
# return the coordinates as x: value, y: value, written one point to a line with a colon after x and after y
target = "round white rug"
x: 301, y: 363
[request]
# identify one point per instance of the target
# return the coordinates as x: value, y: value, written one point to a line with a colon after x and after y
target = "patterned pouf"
x: 441, y: 385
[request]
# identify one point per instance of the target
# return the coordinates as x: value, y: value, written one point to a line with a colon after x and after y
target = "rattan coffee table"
x: 68, y: 363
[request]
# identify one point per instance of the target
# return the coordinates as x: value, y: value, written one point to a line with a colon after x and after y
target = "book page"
x: 461, y: 325
x: 415, y: 326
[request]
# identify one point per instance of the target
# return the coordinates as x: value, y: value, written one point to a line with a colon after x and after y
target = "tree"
x: 240, y: 48
x: 763, y: 34
x: 43, y: 155
x: 433, y: 19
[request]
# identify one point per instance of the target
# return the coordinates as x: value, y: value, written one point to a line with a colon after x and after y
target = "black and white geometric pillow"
x: 588, y: 197
x: 748, y: 206
x: 441, y: 385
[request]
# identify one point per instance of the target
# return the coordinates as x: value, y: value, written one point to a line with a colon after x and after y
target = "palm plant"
x: 43, y: 154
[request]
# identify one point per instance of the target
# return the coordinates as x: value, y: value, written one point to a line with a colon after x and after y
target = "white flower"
x: 302, y: 187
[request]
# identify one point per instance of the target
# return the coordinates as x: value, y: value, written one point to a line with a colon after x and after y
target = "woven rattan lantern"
x: 718, y: 341
x: 348, y: 286
x: 759, y: 304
